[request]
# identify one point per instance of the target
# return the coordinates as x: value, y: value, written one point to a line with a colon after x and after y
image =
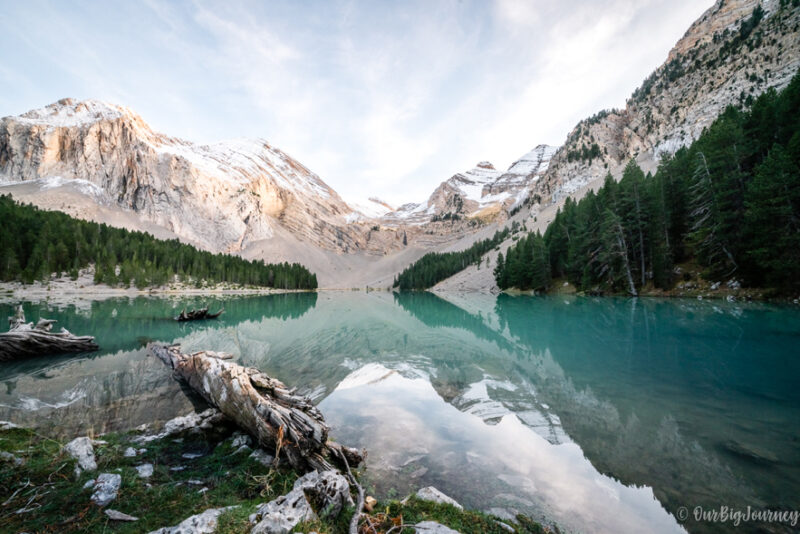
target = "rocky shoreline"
x: 198, y: 474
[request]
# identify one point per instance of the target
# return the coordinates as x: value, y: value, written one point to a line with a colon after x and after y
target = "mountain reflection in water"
x: 599, y: 414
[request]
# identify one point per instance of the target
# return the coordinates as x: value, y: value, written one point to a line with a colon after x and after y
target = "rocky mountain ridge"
x: 737, y: 49
x: 101, y: 161
x: 482, y: 192
x: 219, y: 196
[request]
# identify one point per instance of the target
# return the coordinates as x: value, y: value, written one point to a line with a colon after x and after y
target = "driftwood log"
x: 196, y: 315
x: 262, y: 406
x: 24, y: 339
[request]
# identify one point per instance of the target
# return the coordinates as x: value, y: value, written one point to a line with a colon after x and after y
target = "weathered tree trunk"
x: 25, y: 339
x: 262, y: 406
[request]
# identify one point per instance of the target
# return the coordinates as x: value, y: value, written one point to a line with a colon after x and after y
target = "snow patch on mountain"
x: 69, y: 113
x: 367, y: 208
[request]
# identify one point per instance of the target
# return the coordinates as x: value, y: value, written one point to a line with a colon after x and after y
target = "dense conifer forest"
x: 729, y: 203
x: 34, y: 244
x: 434, y: 267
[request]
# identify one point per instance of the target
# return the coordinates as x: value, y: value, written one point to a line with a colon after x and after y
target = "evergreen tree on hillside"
x: 730, y: 202
x: 34, y: 244
x: 773, y: 220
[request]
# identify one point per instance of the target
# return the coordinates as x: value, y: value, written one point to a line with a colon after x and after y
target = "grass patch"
x: 59, y: 503
x: 44, y: 496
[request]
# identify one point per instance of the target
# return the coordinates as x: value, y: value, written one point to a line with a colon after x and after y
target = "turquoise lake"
x: 601, y: 415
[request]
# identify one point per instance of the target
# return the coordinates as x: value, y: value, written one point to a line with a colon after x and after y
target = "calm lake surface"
x: 599, y: 414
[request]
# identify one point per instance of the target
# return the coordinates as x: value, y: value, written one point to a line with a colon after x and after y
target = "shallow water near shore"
x: 598, y: 414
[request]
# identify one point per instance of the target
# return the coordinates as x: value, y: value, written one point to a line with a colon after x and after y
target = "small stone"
x: 177, y: 468
x: 241, y: 442
x: 119, y: 516
x: 179, y: 425
x: 419, y: 472
x: 432, y: 527
x: 432, y: 494
x: 263, y: 457
x: 191, y: 455
x: 202, y: 490
x: 106, y: 488
x: 204, y: 523
x: 194, y: 482
x: 89, y: 484
x: 505, y: 526
x: 130, y: 452
x: 240, y: 439
x: 145, y: 470
x: 81, y: 449
x: 16, y: 460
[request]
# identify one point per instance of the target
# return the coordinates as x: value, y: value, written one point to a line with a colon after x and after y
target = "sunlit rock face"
x: 219, y: 196
x: 482, y: 192
x: 704, y: 73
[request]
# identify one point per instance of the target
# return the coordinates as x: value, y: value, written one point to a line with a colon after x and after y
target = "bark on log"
x: 195, y: 315
x: 262, y: 406
x: 24, y: 339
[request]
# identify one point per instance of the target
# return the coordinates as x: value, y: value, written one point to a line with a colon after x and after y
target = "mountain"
x: 482, y: 192
x: 735, y: 50
x: 220, y: 196
x: 103, y: 162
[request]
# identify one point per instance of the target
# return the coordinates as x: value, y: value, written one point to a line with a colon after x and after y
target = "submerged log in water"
x: 24, y: 339
x: 196, y: 315
x: 264, y: 407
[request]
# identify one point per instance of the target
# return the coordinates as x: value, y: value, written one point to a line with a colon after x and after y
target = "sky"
x: 379, y: 98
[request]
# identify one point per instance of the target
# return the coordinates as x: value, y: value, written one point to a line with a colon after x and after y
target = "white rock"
x: 281, y: 515
x: 7, y: 425
x: 191, y: 455
x: 16, y: 460
x: 81, y: 449
x: 240, y: 442
x: 106, y: 488
x: 119, y: 516
x: 203, y: 420
x: 263, y: 457
x: 505, y: 526
x: 204, y: 523
x: 145, y: 470
x: 434, y: 495
x: 432, y: 527
x: 329, y: 489
x: 89, y: 484
x: 130, y: 452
